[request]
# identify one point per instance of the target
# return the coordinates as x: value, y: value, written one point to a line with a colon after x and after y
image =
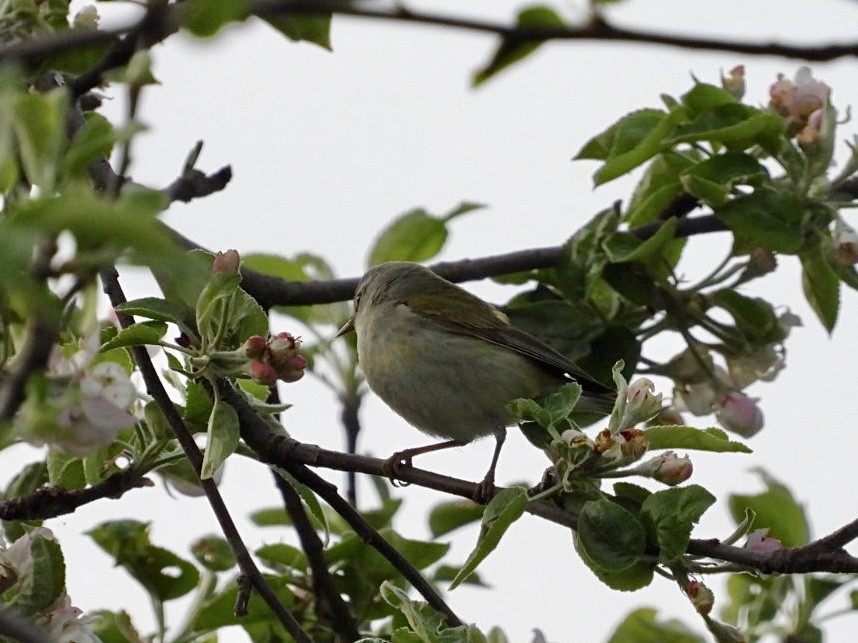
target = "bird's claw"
x: 394, y: 465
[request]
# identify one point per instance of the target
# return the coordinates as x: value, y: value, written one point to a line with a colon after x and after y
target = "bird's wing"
x: 491, y: 325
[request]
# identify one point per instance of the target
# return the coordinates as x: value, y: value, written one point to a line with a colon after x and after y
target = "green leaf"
x: 704, y: 97
x: 157, y: 309
x: 734, y: 125
x: 149, y: 332
x: 821, y: 285
x: 642, y: 626
x: 214, y: 553
x: 414, y: 236
x: 690, y: 438
x: 633, y: 140
x: 609, y: 537
x: 65, y: 470
x: 658, y: 187
x: 625, y: 247
x: 315, y: 29
x: 669, y: 516
x: 94, y: 141
x: 45, y: 583
x: 222, y: 439
x: 512, y: 50
x: 448, y: 516
x: 114, y: 627
x: 775, y: 509
x: 755, y: 317
x: 281, y: 555
x: 162, y: 573
x: 102, y: 224
x: 503, y: 510
x: 771, y: 219
x: 40, y: 129
x: 206, y: 17
x: 424, y: 621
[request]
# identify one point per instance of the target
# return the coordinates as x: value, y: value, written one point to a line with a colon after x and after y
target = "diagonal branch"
x: 155, y: 388
x: 328, y: 600
x: 275, y: 449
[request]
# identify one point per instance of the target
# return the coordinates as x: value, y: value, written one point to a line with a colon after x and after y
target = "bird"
x: 448, y: 362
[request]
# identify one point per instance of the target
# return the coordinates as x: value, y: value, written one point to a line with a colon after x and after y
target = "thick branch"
x: 823, y: 555
x: 50, y: 502
x: 162, y: 20
x: 271, y: 291
x: 597, y: 29
x: 275, y: 449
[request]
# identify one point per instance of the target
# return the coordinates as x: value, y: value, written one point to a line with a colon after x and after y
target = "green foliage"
x: 163, y: 574
x: 643, y: 626
x: 670, y: 514
x: 618, y: 283
x: 503, y: 510
x: 513, y: 50
x: 688, y: 437
x: 415, y: 235
x: 315, y: 29
x: 775, y: 509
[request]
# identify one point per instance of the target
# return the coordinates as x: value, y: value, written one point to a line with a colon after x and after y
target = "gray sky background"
x: 327, y: 148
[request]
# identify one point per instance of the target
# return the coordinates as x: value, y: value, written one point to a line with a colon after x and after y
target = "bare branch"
x: 329, y: 602
x: 275, y: 449
x: 50, y: 502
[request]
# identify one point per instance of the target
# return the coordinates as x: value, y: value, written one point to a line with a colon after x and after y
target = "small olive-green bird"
x: 448, y: 362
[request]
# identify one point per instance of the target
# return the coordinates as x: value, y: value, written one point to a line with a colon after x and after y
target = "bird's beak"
x: 348, y: 327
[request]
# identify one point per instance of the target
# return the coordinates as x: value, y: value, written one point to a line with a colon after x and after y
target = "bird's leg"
x: 486, y: 489
x: 402, y: 459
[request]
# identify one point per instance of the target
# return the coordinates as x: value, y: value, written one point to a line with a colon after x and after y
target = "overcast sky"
x: 328, y: 147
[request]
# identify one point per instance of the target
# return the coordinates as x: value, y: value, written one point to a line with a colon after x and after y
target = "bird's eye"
x: 357, y: 301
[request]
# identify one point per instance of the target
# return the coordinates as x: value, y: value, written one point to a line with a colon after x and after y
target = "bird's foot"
x: 485, y: 490
x: 394, y: 465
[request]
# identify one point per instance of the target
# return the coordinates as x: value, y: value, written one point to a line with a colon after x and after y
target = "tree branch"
x: 275, y: 449
x: 50, y: 502
x: 155, y: 388
x: 596, y: 29
x: 329, y: 603
x: 823, y: 555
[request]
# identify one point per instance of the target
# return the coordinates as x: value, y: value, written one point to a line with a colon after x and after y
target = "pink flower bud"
x: 735, y: 82
x: 740, y: 414
x: 263, y: 373
x: 255, y: 346
x: 283, y: 355
x: 673, y: 469
x: 701, y: 596
x: 228, y: 262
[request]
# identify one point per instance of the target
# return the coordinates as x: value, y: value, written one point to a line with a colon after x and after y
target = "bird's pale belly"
x: 451, y: 386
